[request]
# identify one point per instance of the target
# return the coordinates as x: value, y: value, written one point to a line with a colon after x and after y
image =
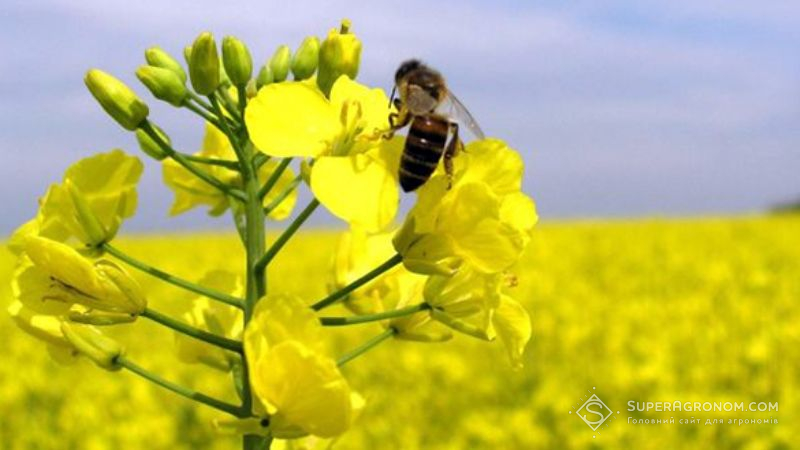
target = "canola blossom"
x: 97, y: 194
x: 441, y: 272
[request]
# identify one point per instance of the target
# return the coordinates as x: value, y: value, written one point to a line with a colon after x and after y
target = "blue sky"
x: 620, y: 108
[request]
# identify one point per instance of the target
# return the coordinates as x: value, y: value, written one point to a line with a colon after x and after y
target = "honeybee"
x: 434, y: 114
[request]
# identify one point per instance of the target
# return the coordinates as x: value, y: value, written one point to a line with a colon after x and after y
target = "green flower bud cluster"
x: 302, y: 64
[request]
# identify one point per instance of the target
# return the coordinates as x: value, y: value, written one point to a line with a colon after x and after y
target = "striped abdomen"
x: 423, y: 150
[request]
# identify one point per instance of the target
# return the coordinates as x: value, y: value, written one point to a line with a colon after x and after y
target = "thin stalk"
x: 228, y: 164
x: 341, y: 293
x: 274, y: 177
x: 259, y: 160
x: 365, y: 347
x: 287, y: 233
x: 178, y: 389
x: 200, y: 100
x: 171, y: 279
x: 366, y: 318
x: 197, y: 333
x: 242, y: 93
x: 180, y: 159
x: 282, y: 196
x: 227, y: 130
x: 214, y: 120
x: 229, y: 104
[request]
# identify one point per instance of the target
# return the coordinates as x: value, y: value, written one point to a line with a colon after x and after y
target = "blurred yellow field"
x: 688, y: 310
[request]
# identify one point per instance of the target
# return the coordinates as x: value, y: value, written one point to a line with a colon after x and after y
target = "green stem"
x: 228, y: 103
x: 242, y: 93
x: 366, y: 318
x: 200, y: 101
x: 332, y: 298
x: 365, y: 347
x: 180, y: 159
x: 287, y: 233
x: 282, y: 196
x: 171, y: 279
x: 256, y: 286
x: 197, y: 333
x: 228, y: 164
x: 274, y: 177
x: 202, y: 113
x: 259, y: 160
x: 237, y: 148
x: 178, y: 389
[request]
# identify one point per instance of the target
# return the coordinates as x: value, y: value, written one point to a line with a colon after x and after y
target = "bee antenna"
x: 391, y: 98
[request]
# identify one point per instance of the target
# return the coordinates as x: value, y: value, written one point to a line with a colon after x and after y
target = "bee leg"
x: 453, y: 147
x: 397, y: 120
x: 392, y: 126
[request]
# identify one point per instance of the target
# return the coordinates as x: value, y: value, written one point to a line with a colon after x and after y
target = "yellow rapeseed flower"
x: 354, y: 174
x: 483, y: 220
x: 53, y: 277
x: 96, y: 195
x: 358, y: 253
x: 474, y: 303
x: 191, y: 191
x: 295, y: 382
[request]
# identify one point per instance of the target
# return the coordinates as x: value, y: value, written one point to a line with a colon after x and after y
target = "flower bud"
x: 265, y: 76
x: 339, y: 54
x: 187, y: 54
x: 117, y: 99
x: 124, y: 293
x: 151, y: 147
x: 95, y: 232
x: 237, y: 60
x: 157, y: 57
x: 164, y: 84
x: 250, y: 89
x: 280, y: 62
x: 306, y: 58
x: 93, y: 344
x: 204, y: 67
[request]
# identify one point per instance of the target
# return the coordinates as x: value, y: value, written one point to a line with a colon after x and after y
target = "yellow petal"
x: 108, y: 181
x: 216, y: 144
x: 306, y: 389
x: 292, y: 119
x: 44, y: 327
x: 491, y: 246
x: 64, y: 264
x: 358, y: 189
x: 191, y: 191
x: 519, y: 211
x: 374, y: 104
x: 278, y: 318
x: 513, y: 324
x: 16, y: 243
x: 31, y: 286
x: 493, y: 162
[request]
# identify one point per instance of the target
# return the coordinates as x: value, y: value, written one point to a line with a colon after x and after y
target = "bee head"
x: 406, y: 68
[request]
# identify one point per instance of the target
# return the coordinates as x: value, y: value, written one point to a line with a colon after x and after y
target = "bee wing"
x: 461, y: 114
